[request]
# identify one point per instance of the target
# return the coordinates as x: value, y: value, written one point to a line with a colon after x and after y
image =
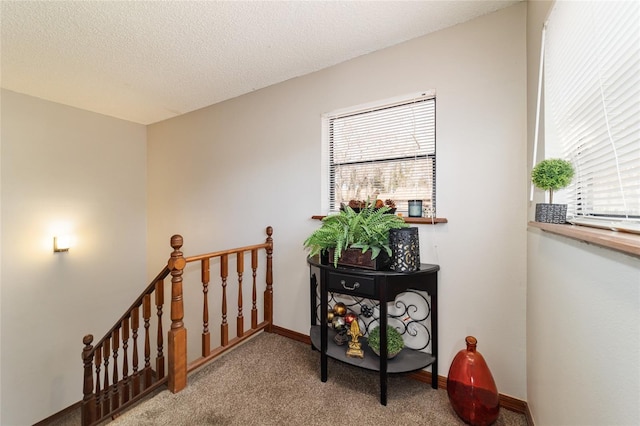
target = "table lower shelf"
x: 407, y: 360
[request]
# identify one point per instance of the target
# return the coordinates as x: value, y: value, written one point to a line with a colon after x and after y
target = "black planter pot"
x: 551, y: 213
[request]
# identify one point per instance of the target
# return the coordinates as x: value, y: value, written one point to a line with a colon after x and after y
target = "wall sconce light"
x: 61, y: 243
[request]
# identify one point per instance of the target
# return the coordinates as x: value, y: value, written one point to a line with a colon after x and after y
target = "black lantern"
x: 405, y: 246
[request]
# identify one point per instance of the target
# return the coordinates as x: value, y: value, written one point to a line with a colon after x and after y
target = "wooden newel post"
x: 89, y: 399
x: 177, y: 334
x: 268, y: 293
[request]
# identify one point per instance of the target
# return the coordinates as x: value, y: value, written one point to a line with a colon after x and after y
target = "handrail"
x: 230, y: 251
x: 113, y: 391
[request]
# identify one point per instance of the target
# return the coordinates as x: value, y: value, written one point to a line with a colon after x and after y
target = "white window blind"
x: 592, y: 105
x: 384, y: 152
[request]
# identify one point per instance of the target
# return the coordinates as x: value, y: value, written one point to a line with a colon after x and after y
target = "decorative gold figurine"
x: 355, y: 350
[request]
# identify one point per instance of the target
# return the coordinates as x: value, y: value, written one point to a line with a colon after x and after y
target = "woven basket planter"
x: 551, y: 213
x: 358, y: 259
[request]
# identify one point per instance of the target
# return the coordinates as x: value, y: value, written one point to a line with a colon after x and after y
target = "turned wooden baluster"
x: 89, y: 399
x: 160, y: 336
x: 98, y: 362
x: 106, y: 398
x: 224, y: 327
x: 146, y: 315
x: 254, y: 295
x: 115, y: 395
x: 135, y: 325
x: 268, y: 293
x: 125, y: 360
x: 206, y: 337
x: 240, y: 318
x: 178, y: 333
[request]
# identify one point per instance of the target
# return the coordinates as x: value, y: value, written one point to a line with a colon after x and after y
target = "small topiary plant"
x: 552, y: 174
x: 395, y: 343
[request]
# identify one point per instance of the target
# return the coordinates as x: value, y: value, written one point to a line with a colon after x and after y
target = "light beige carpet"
x: 273, y: 380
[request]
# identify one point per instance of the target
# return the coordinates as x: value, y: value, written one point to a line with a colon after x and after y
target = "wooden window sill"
x: 420, y: 220
x: 624, y: 242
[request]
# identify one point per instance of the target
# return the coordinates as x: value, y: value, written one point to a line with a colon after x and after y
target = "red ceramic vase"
x: 471, y: 388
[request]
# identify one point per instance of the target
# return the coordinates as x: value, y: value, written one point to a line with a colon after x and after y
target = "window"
x: 385, y: 151
x: 592, y: 107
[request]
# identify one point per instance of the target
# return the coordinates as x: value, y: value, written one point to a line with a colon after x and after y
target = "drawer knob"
x: 344, y: 285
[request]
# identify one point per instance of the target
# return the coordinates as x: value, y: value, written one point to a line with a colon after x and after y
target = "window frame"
x: 330, y: 203
x: 586, y: 210
x: 625, y: 241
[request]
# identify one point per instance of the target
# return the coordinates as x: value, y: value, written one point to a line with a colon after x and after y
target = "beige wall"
x: 64, y: 167
x: 583, y: 312
x: 221, y: 174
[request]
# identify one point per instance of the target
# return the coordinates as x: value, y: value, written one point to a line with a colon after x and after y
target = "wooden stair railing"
x: 113, y: 377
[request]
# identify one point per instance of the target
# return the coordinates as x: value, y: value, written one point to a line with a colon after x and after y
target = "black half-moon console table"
x: 382, y: 286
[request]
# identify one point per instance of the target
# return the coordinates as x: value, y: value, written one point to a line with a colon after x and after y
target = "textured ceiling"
x: 146, y: 61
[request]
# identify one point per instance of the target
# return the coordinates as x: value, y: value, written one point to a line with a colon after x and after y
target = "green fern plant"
x: 367, y: 229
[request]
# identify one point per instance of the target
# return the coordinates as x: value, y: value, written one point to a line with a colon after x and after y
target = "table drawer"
x: 350, y: 284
